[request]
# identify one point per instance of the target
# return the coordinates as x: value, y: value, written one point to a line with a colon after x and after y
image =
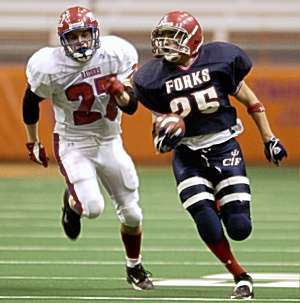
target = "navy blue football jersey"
x: 199, y: 93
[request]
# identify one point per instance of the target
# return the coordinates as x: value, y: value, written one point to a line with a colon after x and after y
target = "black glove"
x: 165, y: 142
x: 275, y: 151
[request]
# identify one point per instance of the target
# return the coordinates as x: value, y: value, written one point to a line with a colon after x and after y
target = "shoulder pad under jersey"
x: 41, y: 65
x: 121, y: 50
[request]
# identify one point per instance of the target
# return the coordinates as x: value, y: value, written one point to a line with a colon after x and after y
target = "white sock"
x: 133, y: 262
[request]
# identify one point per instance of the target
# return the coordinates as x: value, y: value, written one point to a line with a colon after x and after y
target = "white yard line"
x: 278, y: 280
x: 163, y: 263
x: 270, y: 280
x: 130, y: 299
x: 61, y: 278
x: 145, y: 248
x: 46, y: 235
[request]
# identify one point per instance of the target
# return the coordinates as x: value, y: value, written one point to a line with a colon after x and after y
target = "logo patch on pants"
x: 234, y: 160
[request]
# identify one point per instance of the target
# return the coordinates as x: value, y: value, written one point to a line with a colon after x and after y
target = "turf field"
x: 38, y: 264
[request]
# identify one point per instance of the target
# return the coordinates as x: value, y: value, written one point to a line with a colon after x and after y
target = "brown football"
x: 171, y: 123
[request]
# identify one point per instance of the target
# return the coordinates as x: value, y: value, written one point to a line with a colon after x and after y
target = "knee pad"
x: 90, y: 197
x: 236, y: 218
x: 130, y: 215
x: 93, y: 208
x: 238, y: 227
x: 207, y: 221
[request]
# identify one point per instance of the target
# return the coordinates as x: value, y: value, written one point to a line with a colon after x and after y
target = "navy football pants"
x: 213, y: 188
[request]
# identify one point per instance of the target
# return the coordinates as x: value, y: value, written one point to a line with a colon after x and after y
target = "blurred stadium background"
x: 37, y: 262
x: 269, y: 30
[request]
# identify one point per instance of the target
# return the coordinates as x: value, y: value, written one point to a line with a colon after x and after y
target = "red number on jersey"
x: 84, y: 92
x: 111, y: 108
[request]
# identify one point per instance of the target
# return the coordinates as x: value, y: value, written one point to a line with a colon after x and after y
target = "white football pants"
x: 86, y: 161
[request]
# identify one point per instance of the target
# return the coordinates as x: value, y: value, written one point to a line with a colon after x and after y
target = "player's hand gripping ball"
x: 169, y: 129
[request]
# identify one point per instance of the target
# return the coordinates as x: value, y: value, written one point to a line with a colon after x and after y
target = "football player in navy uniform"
x: 195, y: 81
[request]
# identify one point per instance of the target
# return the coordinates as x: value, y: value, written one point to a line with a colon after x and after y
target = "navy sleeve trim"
x: 131, y: 107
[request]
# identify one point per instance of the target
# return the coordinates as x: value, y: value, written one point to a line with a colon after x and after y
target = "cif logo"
x: 234, y: 160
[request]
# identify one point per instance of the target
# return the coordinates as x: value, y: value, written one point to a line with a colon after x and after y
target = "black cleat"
x: 70, y: 219
x: 243, y: 288
x: 139, y: 278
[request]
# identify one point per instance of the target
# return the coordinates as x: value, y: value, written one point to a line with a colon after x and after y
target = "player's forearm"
x: 123, y: 99
x: 263, y: 125
x: 256, y: 110
x: 123, y: 94
x: 127, y: 101
x: 32, y: 132
x: 31, y: 114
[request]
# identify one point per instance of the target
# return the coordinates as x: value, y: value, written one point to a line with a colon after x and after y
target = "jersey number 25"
x: 206, y: 100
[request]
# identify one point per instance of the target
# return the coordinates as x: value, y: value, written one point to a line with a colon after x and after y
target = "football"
x: 172, y: 124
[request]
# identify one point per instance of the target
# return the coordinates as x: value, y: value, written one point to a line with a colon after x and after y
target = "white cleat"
x: 243, y: 289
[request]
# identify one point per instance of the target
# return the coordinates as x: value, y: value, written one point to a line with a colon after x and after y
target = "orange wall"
x: 279, y: 90
x: 277, y: 87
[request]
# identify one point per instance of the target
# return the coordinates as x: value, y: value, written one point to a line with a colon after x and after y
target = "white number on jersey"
x: 207, y: 102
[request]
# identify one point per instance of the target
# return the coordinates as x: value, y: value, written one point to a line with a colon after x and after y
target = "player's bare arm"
x: 32, y: 132
x: 256, y: 109
x: 274, y: 150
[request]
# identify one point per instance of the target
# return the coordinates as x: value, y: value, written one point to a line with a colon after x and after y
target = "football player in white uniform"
x: 88, y: 81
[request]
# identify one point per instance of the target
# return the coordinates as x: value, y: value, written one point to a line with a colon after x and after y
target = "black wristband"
x: 131, y: 107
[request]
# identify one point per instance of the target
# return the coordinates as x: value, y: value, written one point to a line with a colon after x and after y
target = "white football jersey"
x: 76, y: 89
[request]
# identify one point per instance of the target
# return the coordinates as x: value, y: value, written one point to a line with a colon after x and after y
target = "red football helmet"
x: 176, y: 33
x: 78, y: 18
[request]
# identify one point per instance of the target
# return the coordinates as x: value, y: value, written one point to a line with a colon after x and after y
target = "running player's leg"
x: 119, y: 177
x: 196, y: 179
x: 82, y: 196
x: 233, y: 194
